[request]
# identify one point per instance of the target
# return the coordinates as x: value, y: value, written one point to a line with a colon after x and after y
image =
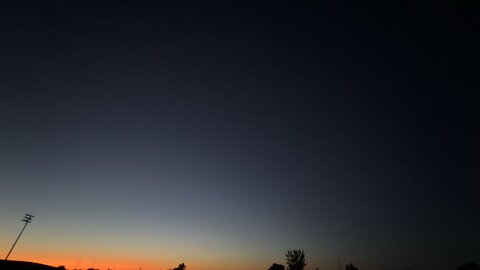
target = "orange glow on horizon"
x: 125, y: 263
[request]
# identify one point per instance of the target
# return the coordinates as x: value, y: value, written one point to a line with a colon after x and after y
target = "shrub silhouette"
x: 277, y: 266
x: 469, y: 266
x: 295, y: 259
x: 350, y: 267
x: 181, y: 266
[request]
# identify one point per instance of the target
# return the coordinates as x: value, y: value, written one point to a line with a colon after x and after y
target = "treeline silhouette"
x: 295, y: 260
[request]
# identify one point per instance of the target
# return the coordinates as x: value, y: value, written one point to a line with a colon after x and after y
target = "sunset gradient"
x: 221, y: 134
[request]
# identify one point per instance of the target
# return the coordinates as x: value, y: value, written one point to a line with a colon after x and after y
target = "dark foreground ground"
x: 19, y: 265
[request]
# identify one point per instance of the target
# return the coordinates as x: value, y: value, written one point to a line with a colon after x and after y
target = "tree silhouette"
x: 295, y: 259
x: 181, y: 266
x: 277, y: 266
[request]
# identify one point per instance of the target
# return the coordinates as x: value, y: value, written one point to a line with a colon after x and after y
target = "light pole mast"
x: 27, y: 219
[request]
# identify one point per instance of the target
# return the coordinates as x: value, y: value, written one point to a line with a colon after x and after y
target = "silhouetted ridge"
x: 20, y: 265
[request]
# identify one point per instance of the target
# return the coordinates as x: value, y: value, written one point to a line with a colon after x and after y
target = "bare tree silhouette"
x: 295, y: 259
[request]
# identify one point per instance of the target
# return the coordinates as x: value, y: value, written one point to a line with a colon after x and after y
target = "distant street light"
x: 27, y: 219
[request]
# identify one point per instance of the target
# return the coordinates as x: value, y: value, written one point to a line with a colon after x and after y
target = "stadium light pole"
x: 27, y: 219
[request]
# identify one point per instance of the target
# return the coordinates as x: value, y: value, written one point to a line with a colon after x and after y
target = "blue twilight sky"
x: 223, y: 134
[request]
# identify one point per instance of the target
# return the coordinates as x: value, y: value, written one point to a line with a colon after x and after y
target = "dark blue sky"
x: 348, y: 130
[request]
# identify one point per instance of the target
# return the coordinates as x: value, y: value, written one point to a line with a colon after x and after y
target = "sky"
x: 222, y: 134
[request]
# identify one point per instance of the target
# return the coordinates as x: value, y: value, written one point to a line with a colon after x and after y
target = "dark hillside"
x: 19, y: 265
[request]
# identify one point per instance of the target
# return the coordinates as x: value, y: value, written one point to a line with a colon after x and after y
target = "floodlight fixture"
x: 27, y: 219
